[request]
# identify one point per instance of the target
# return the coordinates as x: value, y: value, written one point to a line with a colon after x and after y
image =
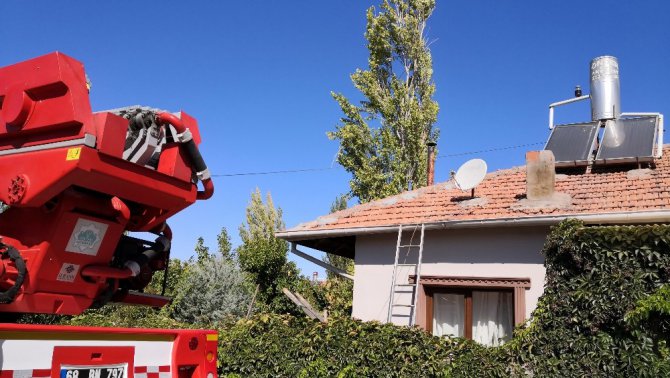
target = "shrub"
x: 653, y: 314
x: 286, y: 346
x: 125, y: 317
x: 595, y: 275
x: 212, y: 289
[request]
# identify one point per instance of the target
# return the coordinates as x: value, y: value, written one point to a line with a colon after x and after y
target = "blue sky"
x: 258, y: 76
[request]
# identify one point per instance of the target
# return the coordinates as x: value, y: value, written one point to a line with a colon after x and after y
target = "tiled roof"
x: 501, y: 196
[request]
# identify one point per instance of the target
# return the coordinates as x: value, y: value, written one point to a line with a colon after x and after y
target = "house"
x: 482, y: 269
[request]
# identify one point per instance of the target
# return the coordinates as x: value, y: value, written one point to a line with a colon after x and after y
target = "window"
x: 481, y: 309
x: 486, y: 316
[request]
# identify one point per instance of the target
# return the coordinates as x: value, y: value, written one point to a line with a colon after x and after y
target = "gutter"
x: 659, y: 216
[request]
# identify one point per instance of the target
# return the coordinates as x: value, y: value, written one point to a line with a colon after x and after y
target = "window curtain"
x: 492, y: 317
x: 449, y: 315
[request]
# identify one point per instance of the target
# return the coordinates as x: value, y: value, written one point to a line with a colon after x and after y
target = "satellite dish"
x: 470, y: 174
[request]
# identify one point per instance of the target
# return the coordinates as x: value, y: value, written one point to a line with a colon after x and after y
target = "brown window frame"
x: 430, y: 285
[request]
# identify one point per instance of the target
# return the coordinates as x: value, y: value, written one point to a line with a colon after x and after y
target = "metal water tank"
x: 605, y: 88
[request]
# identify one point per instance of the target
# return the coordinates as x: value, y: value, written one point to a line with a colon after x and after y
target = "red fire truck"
x: 73, y: 184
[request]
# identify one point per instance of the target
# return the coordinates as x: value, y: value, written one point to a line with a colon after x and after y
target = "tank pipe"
x: 560, y: 103
x: 192, y: 151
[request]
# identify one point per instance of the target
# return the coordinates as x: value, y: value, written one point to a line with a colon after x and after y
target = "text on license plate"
x: 93, y: 372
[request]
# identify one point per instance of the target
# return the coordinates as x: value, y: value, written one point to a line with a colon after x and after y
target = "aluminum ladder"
x: 402, y: 289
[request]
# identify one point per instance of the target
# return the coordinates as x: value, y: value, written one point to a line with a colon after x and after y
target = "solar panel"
x: 628, y: 140
x: 573, y: 144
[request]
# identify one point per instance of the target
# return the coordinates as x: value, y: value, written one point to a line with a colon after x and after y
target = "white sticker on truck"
x: 86, y: 237
x: 14, y: 352
x: 68, y: 272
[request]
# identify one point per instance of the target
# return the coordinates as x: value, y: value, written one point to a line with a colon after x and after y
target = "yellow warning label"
x: 212, y: 336
x: 73, y: 153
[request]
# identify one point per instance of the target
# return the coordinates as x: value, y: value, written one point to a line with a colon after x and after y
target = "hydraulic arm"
x: 73, y: 183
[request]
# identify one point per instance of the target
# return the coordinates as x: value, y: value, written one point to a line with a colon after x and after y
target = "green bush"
x: 595, y: 276
x: 214, y: 290
x: 652, y: 313
x: 126, y: 317
x: 286, y: 346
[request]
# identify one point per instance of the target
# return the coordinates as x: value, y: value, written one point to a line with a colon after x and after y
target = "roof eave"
x: 638, y: 217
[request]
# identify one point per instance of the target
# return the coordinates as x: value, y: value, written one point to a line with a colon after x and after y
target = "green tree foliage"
x: 124, y: 316
x: 175, y: 276
x: 340, y: 203
x: 338, y: 291
x: 263, y: 256
x: 210, y: 291
x: 652, y: 313
x: 398, y: 89
x: 201, y: 250
x: 225, y: 247
x: 343, y: 263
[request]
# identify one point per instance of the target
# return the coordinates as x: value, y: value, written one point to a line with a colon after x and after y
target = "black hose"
x: 166, y: 272
x: 196, y: 158
x: 8, y: 295
x: 106, y: 295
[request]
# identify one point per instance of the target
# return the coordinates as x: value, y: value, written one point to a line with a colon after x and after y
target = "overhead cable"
x: 263, y: 173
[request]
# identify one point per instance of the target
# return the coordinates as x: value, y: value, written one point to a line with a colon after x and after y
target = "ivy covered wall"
x: 596, y: 318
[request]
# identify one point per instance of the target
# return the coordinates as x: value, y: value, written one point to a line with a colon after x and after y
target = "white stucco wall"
x: 485, y: 252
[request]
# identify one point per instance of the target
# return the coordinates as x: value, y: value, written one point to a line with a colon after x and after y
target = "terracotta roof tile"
x: 603, y: 191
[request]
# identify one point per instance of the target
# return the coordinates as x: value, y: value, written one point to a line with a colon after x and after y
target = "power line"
x: 273, y: 172
x: 492, y: 150
x: 331, y: 168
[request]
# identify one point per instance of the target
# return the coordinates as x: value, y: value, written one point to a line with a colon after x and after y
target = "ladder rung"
x: 401, y: 315
x: 401, y: 289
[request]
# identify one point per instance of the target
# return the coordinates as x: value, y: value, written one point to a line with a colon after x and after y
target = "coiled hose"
x: 8, y: 295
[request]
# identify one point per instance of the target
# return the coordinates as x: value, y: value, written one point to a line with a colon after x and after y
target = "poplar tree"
x: 262, y: 255
x: 383, y: 139
x: 201, y: 250
x: 224, y: 245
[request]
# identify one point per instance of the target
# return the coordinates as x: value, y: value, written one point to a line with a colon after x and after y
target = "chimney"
x: 430, y: 174
x: 540, y: 175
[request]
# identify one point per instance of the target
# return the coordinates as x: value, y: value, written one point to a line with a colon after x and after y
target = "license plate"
x: 117, y: 371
